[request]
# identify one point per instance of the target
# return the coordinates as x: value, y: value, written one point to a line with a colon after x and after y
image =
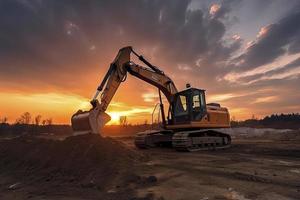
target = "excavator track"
x: 200, y: 140
x: 141, y: 141
x: 183, y: 141
x: 153, y: 138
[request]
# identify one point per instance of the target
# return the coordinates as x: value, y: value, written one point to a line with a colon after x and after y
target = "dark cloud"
x: 273, y: 43
x: 63, y: 45
x: 38, y: 39
x: 225, y: 8
x: 294, y: 46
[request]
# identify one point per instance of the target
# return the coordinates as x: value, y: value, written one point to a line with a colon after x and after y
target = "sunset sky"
x: 54, y: 53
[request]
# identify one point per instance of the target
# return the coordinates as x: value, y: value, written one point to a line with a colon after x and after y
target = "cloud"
x: 150, y: 97
x: 222, y: 97
x: 223, y: 9
x: 236, y: 37
x: 265, y: 99
x: 214, y: 9
x: 52, y: 41
x: 66, y: 47
x: 267, y: 72
x: 273, y: 41
x: 264, y: 31
x: 184, y: 67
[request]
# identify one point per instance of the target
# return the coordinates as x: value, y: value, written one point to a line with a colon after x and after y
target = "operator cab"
x: 188, y: 105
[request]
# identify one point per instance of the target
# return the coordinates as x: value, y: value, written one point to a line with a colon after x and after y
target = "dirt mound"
x: 88, y: 160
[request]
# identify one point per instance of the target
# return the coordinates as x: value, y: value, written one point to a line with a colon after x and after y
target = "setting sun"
x: 115, y: 118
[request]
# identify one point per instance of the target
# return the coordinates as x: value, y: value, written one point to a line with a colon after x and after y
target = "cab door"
x: 198, y: 107
x: 181, y: 114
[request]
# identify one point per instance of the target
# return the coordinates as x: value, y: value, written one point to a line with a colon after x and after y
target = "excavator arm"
x: 92, y: 121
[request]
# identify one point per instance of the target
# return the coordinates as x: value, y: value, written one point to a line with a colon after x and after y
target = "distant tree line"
x: 279, y: 121
x: 26, y: 118
x: 27, y: 124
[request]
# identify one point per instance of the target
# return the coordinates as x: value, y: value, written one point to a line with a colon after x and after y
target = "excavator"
x: 190, y: 125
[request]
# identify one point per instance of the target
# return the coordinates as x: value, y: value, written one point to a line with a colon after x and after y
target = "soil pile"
x: 88, y: 160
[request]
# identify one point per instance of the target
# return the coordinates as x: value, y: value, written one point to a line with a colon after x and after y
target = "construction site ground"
x: 266, y: 166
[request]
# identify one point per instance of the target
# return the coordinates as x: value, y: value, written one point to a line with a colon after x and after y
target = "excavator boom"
x: 93, y: 120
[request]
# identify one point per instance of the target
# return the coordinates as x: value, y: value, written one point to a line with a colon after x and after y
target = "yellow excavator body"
x: 216, y: 117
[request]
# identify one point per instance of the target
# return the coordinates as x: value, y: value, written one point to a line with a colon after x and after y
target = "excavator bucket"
x: 85, y: 122
x: 92, y: 121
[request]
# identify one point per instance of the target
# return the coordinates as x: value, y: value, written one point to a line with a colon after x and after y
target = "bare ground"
x: 253, y: 168
x: 249, y: 170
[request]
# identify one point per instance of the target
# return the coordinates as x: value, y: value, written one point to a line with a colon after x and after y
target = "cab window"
x: 198, y: 105
x: 196, y: 102
x: 202, y: 102
x: 181, y: 105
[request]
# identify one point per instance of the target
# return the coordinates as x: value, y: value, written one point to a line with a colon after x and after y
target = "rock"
x: 111, y: 191
x: 90, y: 184
x: 15, y: 186
x: 151, y: 179
x: 132, y: 178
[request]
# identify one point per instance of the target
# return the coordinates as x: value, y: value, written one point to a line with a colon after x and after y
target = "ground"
x: 260, y: 167
x: 249, y: 170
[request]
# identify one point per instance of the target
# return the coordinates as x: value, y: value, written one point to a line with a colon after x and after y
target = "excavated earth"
x: 87, y: 166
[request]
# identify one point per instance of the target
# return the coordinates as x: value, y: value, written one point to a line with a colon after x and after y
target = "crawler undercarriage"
x: 194, y: 140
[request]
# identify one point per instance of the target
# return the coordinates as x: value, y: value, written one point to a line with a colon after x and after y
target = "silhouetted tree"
x: 49, y: 121
x: 123, y: 120
x: 3, y: 120
x: 25, y: 118
x: 233, y: 118
x: 38, y: 119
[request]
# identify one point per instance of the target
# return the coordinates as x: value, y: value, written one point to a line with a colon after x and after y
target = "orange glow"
x: 266, y: 99
x: 263, y: 31
x: 136, y: 115
x: 60, y: 107
x: 214, y: 9
x: 50, y: 105
x: 115, y: 118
